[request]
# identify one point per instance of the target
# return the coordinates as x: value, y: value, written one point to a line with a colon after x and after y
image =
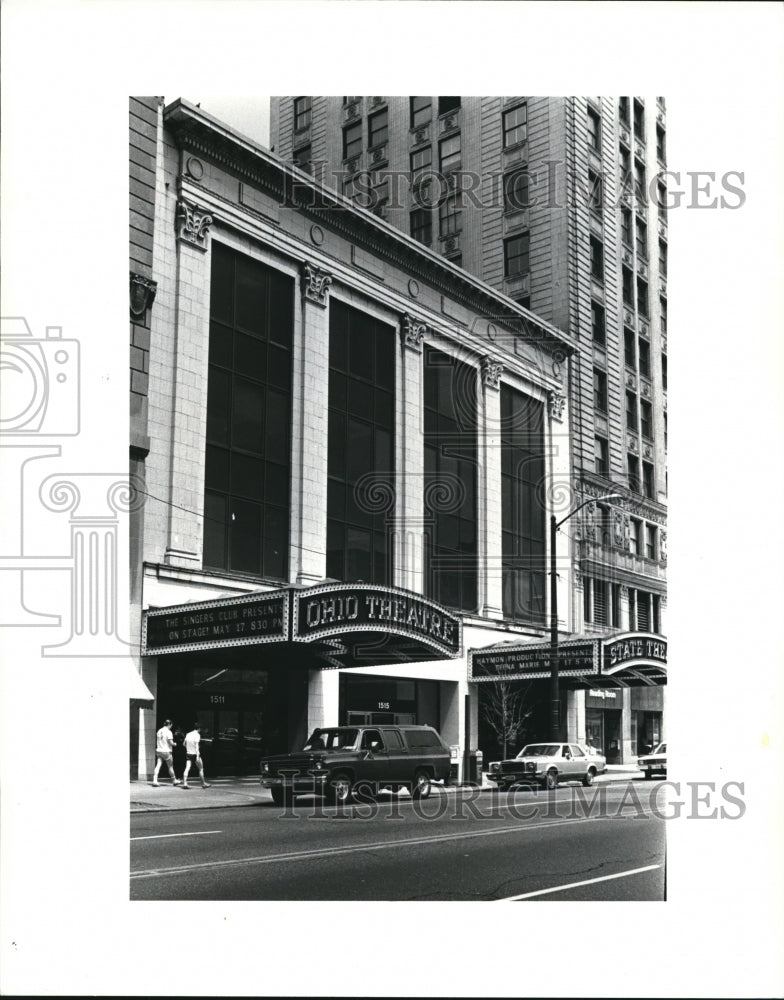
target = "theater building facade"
x: 350, y: 450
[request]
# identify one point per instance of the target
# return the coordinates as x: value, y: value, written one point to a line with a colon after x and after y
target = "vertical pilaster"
x: 312, y: 427
x: 189, y: 425
x: 489, y: 513
x: 410, y: 476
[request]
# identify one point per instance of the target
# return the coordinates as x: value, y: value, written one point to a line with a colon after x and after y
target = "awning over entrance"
x: 628, y: 659
x: 338, y: 625
x: 138, y: 689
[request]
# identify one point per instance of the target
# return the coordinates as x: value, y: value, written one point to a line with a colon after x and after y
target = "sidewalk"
x: 225, y: 792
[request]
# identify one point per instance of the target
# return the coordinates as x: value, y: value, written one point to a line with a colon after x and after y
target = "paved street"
x: 603, y: 843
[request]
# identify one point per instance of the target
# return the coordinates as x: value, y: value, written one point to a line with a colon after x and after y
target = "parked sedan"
x: 547, y: 764
x: 654, y: 762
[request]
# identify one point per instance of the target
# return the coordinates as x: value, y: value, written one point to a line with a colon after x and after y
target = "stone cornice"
x: 194, y: 129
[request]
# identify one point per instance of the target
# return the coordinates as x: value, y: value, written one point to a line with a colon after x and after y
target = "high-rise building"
x: 560, y: 204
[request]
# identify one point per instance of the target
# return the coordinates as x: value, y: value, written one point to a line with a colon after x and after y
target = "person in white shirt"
x: 164, y: 748
x: 193, y: 756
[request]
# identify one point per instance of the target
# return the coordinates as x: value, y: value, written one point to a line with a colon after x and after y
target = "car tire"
x: 339, y: 789
x: 648, y: 775
x: 420, y: 789
x: 551, y: 781
x: 589, y: 777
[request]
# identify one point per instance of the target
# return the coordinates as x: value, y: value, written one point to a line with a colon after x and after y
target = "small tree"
x: 505, y: 710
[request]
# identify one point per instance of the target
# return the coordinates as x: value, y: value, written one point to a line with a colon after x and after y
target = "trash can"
x: 475, y: 767
x: 454, y: 766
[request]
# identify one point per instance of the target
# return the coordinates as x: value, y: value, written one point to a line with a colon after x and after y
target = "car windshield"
x: 332, y: 739
x: 661, y: 748
x: 539, y: 750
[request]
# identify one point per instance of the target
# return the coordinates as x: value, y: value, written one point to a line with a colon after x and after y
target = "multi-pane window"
x: 623, y: 109
x: 302, y: 157
x: 598, y: 326
x: 360, y: 451
x: 629, y: 353
x: 627, y: 282
x: 447, y: 105
x: 524, y: 301
x: 421, y: 111
x: 644, y: 356
x: 515, y: 125
x: 248, y: 452
x: 639, y: 181
x: 662, y: 258
x: 642, y: 296
x: 516, y: 258
x: 449, y: 215
x: 450, y: 438
x: 600, y: 390
x: 635, y: 536
x: 633, y: 469
x: 302, y: 112
x: 594, y: 130
x: 665, y: 430
x: 664, y: 371
x: 352, y: 140
x: 639, y: 121
x: 647, y: 480
x: 656, y: 611
x: 626, y: 226
x: 597, y: 259
x: 601, y: 456
x: 650, y: 541
x: 601, y: 602
x: 642, y: 239
x: 595, y: 195
x: 663, y: 313
x: 661, y: 148
x: 522, y: 511
x: 643, y: 608
x: 516, y: 191
x: 449, y: 153
x: 646, y: 419
x: 378, y: 128
x: 661, y: 191
x: 422, y: 225
x: 625, y: 160
x: 631, y: 411
x: 421, y: 159
x: 644, y: 611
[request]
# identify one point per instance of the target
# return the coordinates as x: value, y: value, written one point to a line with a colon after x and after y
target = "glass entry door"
x: 231, y: 741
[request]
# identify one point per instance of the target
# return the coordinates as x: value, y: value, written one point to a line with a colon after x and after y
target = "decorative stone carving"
x: 412, y: 333
x: 491, y: 373
x: 627, y: 532
x: 618, y: 535
x: 142, y: 295
x: 315, y: 284
x: 663, y: 546
x: 193, y: 224
x: 556, y: 401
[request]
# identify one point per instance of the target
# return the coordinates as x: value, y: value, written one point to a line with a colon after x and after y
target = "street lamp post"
x: 555, y: 695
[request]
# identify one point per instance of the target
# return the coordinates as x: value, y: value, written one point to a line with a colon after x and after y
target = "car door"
x: 566, y: 762
x: 373, y: 764
x: 579, y: 761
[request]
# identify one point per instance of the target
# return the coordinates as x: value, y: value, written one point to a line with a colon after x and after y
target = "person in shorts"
x: 164, y: 752
x: 193, y: 756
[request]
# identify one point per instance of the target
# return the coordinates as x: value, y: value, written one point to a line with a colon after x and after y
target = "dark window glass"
x: 639, y: 181
x: 516, y: 191
x: 664, y: 370
x: 516, y: 259
x: 633, y: 467
x: 449, y: 215
x: 450, y: 439
x: 662, y: 258
x: 515, y: 125
x: 629, y: 354
x: 647, y: 480
x: 639, y: 121
x: 627, y: 279
x: 650, y: 541
x: 302, y: 157
x: 626, y: 226
x: 352, y: 141
x: 623, y: 109
x: 594, y: 130
x: 597, y: 259
x: 598, y: 330
x: 302, y: 112
x: 378, y: 128
x: 601, y: 459
x: 642, y: 239
x: 600, y: 390
x: 449, y: 153
x: 421, y: 159
x: 595, y: 191
x: 421, y: 110
x: 360, y: 448
x: 631, y: 411
x: 523, y: 514
x: 661, y: 150
x: 646, y: 419
x: 644, y: 357
x: 422, y: 225
x: 448, y: 104
x: 247, y: 467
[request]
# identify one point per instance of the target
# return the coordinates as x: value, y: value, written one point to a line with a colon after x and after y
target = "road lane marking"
x: 576, y: 885
x: 350, y: 849
x: 163, y: 836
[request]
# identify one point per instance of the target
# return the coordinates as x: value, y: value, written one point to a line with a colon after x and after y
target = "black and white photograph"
x: 349, y: 557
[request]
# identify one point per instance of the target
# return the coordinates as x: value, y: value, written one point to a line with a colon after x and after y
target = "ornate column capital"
x: 556, y: 402
x: 193, y: 224
x: 142, y: 295
x: 491, y: 372
x: 412, y: 333
x: 315, y: 284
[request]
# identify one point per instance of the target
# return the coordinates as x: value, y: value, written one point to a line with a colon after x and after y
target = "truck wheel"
x: 421, y: 786
x: 339, y: 789
x: 551, y: 781
x: 588, y: 779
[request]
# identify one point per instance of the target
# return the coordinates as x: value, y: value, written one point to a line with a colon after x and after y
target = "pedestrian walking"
x: 164, y: 752
x: 193, y: 756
